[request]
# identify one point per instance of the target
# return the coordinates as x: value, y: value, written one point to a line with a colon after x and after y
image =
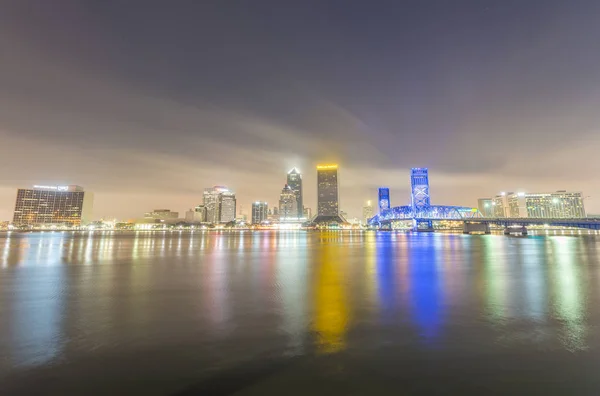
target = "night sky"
x: 146, y: 103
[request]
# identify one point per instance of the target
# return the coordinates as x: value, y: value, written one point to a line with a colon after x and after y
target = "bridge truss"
x: 431, y: 212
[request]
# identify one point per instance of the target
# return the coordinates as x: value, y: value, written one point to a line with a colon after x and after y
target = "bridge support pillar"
x: 517, y: 230
x: 476, y: 228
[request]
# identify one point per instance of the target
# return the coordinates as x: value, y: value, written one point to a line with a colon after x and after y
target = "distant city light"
x: 329, y: 166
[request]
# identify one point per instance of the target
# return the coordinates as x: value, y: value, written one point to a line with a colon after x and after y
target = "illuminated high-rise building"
x: 200, y: 214
x: 220, y: 205
x: 500, y: 205
x: 384, y: 199
x: 228, y: 206
x: 288, y: 204
x: 328, y: 203
x: 294, y: 181
x: 260, y: 211
x: 556, y: 205
x: 53, y: 205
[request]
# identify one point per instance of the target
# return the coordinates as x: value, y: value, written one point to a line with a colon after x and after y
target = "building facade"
x: 200, y: 215
x: 56, y: 205
x: 485, y: 206
x: 219, y: 205
x: 161, y: 214
x: 294, y: 180
x: 260, y: 212
x: 327, y: 189
x: 228, y: 207
x: 288, y: 204
x: 500, y: 205
x: 555, y: 205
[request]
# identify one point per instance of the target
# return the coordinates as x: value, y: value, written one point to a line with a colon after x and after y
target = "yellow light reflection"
x: 331, y: 310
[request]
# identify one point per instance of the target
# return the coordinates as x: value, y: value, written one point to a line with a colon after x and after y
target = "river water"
x: 298, y: 313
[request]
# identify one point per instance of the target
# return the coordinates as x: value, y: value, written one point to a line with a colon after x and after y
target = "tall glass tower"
x: 327, y: 189
x: 328, y: 203
x: 419, y: 182
x: 294, y: 181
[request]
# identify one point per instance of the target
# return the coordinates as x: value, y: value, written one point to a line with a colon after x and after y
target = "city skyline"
x: 493, y: 96
x: 475, y: 202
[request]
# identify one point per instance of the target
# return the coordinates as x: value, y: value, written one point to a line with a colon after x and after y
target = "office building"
x: 384, y: 199
x: 556, y: 205
x: 288, y: 204
x: 500, y: 205
x: 161, y: 214
x: 328, y: 204
x: 195, y: 215
x: 220, y: 205
x: 260, y: 212
x: 200, y: 215
x: 485, y: 206
x: 368, y: 210
x: 294, y: 181
x: 53, y: 205
x: 228, y: 206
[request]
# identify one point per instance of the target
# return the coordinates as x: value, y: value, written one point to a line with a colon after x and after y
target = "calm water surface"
x: 265, y: 313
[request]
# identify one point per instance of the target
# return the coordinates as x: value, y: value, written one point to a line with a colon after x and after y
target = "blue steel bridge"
x: 423, y: 214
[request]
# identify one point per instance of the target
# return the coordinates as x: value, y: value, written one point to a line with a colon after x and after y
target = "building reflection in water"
x: 292, y: 287
x: 36, y: 302
x: 425, y: 294
x: 386, y: 263
x: 331, y: 313
x: 495, y: 269
x: 568, y: 294
x: 534, y: 284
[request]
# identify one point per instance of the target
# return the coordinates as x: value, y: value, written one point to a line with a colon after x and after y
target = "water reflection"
x: 75, y: 293
x: 331, y: 303
x: 568, y: 292
x: 425, y: 287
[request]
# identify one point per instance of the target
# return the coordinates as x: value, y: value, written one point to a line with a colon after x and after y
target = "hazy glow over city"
x: 490, y: 96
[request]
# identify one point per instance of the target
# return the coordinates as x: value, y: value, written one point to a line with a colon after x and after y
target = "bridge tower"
x: 384, y: 199
x: 419, y: 182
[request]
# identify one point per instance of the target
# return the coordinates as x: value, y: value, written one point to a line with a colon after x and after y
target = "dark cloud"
x: 148, y: 103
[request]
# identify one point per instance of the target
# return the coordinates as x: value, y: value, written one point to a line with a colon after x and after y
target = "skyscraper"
x: 294, y: 180
x: 368, y: 210
x: 384, y: 199
x: 419, y: 181
x: 260, y: 212
x: 328, y: 205
x: 57, y: 205
x: 200, y: 215
x: 288, y: 204
x: 220, y: 204
x: 228, y: 206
